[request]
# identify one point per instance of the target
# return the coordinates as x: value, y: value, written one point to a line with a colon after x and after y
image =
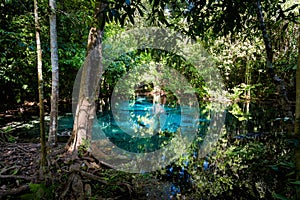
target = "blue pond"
x: 141, y: 126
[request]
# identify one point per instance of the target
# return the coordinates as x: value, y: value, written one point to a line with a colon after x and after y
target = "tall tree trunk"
x: 278, y: 81
x: 43, y: 160
x: 297, y: 117
x: 52, y: 139
x: 297, y: 111
x: 89, y: 83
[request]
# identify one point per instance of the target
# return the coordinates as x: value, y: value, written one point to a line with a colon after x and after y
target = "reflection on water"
x: 141, y: 126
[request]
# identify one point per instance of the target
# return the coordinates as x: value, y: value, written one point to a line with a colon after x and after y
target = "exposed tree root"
x: 81, y: 178
x: 14, y: 191
x: 15, y: 177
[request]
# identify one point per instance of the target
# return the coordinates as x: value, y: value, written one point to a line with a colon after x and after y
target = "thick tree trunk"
x: 89, y: 83
x: 43, y: 160
x: 52, y: 139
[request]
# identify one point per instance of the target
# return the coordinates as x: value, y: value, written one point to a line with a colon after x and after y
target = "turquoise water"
x: 142, y: 126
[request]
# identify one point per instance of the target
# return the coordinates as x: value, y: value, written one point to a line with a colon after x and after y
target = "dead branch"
x: 16, y: 177
x: 23, y: 149
x: 91, y: 176
x: 14, y: 191
x: 9, y: 168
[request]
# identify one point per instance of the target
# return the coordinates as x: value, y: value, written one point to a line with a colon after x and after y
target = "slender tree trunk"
x: 248, y: 81
x: 43, y: 160
x: 297, y: 112
x: 89, y: 83
x: 52, y: 139
x: 297, y: 118
x: 278, y: 81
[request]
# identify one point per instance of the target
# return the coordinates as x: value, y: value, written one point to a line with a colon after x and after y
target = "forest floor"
x: 19, y: 171
x: 19, y: 164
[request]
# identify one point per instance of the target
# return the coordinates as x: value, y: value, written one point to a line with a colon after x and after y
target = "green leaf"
x: 290, y: 174
x: 15, y: 171
x: 287, y: 164
x: 295, y: 183
x: 25, y: 87
x: 292, y: 7
x: 278, y: 196
x: 295, y: 67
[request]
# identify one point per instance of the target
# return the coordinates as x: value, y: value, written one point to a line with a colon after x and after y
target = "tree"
x: 221, y: 18
x: 52, y: 139
x: 92, y: 68
x: 269, y: 52
x: 43, y: 160
x: 297, y: 116
x: 297, y: 112
x: 85, y: 111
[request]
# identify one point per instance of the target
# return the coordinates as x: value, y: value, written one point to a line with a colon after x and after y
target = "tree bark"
x: 297, y: 111
x: 89, y: 83
x: 43, y: 160
x: 297, y: 118
x: 52, y: 139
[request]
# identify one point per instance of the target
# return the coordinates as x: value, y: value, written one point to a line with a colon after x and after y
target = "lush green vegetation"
x: 254, y: 157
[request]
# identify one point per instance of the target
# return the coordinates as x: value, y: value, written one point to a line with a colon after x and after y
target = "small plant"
x: 242, y: 91
x: 239, y: 113
x: 11, y: 139
x: 86, y: 144
x: 41, y: 191
x: 7, y: 129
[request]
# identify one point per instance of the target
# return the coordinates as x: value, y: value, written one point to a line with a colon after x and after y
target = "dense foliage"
x: 254, y: 156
